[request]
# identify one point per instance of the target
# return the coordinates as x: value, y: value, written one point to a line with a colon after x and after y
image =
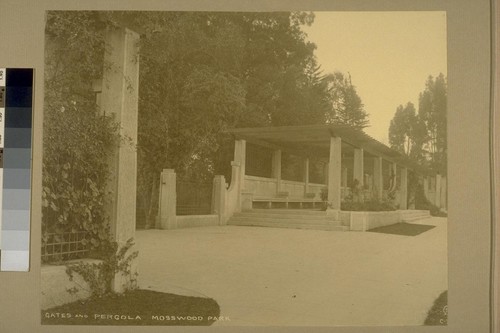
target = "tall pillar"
x: 344, y: 177
x: 168, y: 200
x: 306, y: 175
x: 438, y: 191
x: 119, y: 97
x: 325, y: 172
x: 378, y: 183
x: 403, y: 204
x: 276, y: 169
x: 334, y: 172
x: 219, y: 198
x: 239, y: 160
x: 444, y: 193
x: 426, y: 187
x: 358, y: 173
x: 358, y: 166
x: 393, y: 175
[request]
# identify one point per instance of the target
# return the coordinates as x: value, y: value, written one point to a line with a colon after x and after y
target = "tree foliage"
x: 346, y: 105
x: 77, y: 137
x: 407, y: 132
x: 422, y: 135
x: 432, y: 111
x: 200, y: 73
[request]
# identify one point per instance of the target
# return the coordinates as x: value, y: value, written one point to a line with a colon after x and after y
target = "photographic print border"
x: 469, y: 68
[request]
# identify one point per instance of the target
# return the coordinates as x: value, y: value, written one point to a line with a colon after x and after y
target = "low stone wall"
x: 345, y: 218
x: 192, y: 221
x: 414, y: 214
x: 363, y: 221
x: 55, y: 284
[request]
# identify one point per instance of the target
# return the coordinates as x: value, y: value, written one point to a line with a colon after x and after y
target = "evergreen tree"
x: 346, y: 105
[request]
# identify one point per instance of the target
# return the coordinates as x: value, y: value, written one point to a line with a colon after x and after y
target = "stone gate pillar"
x: 167, y: 210
x: 240, y: 148
x: 219, y: 198
x: 119, y: 97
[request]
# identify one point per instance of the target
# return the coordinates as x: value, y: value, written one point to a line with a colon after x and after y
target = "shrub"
x: 99, y: 276
x: 422, y: 203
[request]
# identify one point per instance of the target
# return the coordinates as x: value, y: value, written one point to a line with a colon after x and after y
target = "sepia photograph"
x: 265, y: 168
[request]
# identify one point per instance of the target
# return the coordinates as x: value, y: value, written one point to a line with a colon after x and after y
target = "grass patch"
x: 404, y: 229
x: 438, y: 314
x: 138, y: 307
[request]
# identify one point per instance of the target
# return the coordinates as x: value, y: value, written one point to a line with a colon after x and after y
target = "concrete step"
x: 409, y: 216
x: 275, y: 224
x: 287, y: 218
x: 242, y: 219
x: 285, y: 211
x: 415, y: 218
x: 296, y: 216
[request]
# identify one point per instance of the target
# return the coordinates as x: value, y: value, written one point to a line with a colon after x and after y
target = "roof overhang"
x: 316, y: 138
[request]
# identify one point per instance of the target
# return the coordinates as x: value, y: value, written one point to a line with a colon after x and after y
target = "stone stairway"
x: 287, y: 218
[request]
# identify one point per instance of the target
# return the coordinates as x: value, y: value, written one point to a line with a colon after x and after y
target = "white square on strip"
x: 3, y: 75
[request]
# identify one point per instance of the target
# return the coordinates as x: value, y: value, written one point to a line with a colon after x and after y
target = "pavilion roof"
x: 310, y: 138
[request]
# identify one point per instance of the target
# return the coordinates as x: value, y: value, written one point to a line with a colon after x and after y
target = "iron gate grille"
x: 64, y: 246
x: 193, y: 198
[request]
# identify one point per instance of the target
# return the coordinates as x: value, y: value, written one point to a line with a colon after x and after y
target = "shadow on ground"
x: 403, y: 229
x: 136, y: 308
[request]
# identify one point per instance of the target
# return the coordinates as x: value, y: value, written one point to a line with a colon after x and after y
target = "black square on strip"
x: 2, y: 97
x: 1, y: 157
x: 20, y: 77
x: 18, y: 97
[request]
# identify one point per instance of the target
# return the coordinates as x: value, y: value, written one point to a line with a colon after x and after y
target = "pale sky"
x: 388, y: 54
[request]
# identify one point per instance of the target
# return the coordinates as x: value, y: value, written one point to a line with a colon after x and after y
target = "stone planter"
x: 363, y: 221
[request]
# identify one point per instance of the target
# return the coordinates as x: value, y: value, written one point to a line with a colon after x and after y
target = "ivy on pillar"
x: 119, y: 97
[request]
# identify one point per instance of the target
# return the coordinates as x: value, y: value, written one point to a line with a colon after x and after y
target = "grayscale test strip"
x: 16, y: 108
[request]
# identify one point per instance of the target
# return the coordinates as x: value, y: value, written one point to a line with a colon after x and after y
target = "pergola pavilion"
x: 350, y: 159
